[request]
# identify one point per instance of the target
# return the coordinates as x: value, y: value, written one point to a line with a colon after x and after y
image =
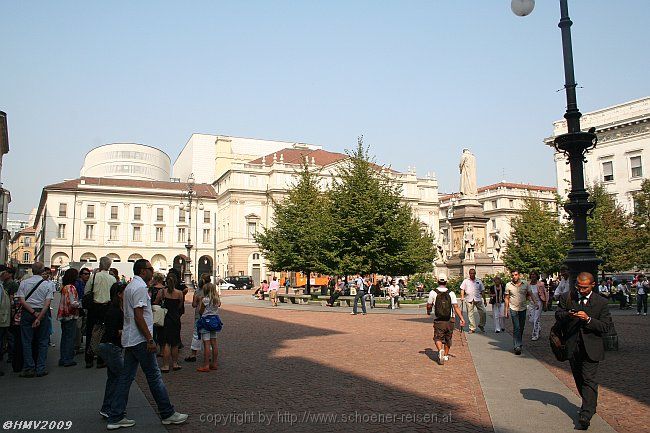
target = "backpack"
x: 442, y: 306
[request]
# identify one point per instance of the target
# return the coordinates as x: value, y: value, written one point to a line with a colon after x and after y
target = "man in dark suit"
x: 585, y: 319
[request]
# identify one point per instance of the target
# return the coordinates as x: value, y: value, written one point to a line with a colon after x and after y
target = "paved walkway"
x: 520, y: 392
x: 72, y: 394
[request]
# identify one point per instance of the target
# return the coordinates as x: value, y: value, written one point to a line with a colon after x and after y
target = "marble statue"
x: 470, y: 243
x: 467, y: 168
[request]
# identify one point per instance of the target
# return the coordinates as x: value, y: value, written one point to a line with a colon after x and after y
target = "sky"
x: 420, y: 80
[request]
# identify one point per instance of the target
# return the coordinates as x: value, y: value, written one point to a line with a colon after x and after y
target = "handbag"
x: 557, y: 342
x: 159, y: 313
x: 96, y: 337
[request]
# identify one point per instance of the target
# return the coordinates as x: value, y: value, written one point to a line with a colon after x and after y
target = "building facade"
x: 247, y: 190
x: 23, y: 247
x: 501, y: 203
x: 127, y: 161
x: 5, y: 196
x: 83, y: 219
x: 620, y: 161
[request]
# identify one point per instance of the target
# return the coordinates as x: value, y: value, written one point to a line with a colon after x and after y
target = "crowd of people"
x: 116, y: 319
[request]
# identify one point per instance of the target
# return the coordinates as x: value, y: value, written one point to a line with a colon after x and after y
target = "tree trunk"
x: 308, y: 284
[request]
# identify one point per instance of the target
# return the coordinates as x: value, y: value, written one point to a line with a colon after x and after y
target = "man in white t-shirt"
x: 443, y: 303
x: 140, y: 349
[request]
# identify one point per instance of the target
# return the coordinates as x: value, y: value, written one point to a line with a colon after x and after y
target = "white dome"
x: 127, y: 161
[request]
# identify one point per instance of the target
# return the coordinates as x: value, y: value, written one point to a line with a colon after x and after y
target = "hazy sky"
x: 419, y: 79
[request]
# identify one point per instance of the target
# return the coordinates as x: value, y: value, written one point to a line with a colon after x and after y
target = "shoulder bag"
x: 89, y: 298
x: 159, y: 313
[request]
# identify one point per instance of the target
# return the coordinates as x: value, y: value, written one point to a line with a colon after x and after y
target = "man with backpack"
x: 443, y: 302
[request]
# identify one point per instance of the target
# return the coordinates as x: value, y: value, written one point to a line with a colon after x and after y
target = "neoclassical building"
x: 620, y: 159
x: 501, y: 202
x: 245, y: 193
x: 82, y: 219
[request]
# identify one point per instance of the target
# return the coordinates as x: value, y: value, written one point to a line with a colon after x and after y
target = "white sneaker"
x: 446, y: 358
x: 441, y: 357
x: 124, y: 422
x: 103, y: 414
x: 175, y: 418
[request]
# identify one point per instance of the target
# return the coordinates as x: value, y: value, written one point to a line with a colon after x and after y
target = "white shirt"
x: 473, y: 289
x: 393, y: 290
x: 136, y: 295
x: 642, y: 287
x: 210, y: 310
x: 432, y: 300
x: 274, y: 285
x: 41, y: 294
x: 563, y: 287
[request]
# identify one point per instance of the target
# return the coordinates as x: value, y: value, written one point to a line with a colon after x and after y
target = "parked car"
x: 226, y: 286
x: 241, y: 282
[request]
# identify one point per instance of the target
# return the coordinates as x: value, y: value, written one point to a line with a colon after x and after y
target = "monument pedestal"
x: 468, y: 217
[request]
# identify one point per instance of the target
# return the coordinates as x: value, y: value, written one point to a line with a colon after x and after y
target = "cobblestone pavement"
x: 322, y: 371
x: 624, y: 392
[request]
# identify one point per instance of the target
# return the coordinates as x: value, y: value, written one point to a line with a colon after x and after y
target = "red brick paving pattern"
x: 624, y: 391
x: 310, y: 363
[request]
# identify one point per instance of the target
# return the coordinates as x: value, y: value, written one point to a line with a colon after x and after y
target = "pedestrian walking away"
x: 97, y: 295
x: 110, y: 347
x: 443, y: 303
x: 472, y: 290
x: 584, y: 318
x: 68, y: 314
x: 208, y: 326
x: 517, y: 292
x: 140, y: 350
x: 642, y: 287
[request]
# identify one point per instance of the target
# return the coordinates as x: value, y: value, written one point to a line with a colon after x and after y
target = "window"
x: 63, y: 209
x: 114, y: 212
x: 494, y: 223
x: 26, y: 258
x: 635, y: 165
x: 181, y: 216
x: 181, y: 234
x: 256, y: 256
x: 206, y: 216
x: 27, y: 241
x: 252, y: 181
x: 608, y: 171
x: 494, y: 204
x: 137, y: 213
x: 160, y: 234
x: 511, y: 203
x: 90, y: 231
x: 206, y: 236
x: 90, y: 211
x: 61, y: 232
x: 112, y: 233
x: 159, y: 214
x: 252, y: 230
x: 137, y: 234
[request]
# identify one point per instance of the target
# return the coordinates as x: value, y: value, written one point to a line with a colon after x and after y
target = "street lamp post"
x: 189, y: 195
x: 574, y: 145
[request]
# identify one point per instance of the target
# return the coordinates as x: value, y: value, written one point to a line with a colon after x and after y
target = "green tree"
x: 610, y: 231
x: 373, y: 231
x: 299, y: 240
x: 641, y: 226
x: 539, y: 242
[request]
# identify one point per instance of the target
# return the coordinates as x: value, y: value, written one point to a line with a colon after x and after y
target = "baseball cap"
x: 442, y: 277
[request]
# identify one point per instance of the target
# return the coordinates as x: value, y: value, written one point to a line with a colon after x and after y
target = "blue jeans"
x: 360, y: 295
x: 133, y: 356
x: 68, y: 330
x: 42, y: 336
x: 112, y: 355
x: 518, y: 323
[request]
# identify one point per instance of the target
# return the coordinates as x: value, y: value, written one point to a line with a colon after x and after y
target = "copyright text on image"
x: 309, y: 417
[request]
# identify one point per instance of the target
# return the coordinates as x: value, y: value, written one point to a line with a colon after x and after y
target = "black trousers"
x: 95, y: 315
x: 334, y: 297
x: 584, y: 374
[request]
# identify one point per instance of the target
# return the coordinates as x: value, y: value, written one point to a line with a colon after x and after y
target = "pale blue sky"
x: 419, y: 79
